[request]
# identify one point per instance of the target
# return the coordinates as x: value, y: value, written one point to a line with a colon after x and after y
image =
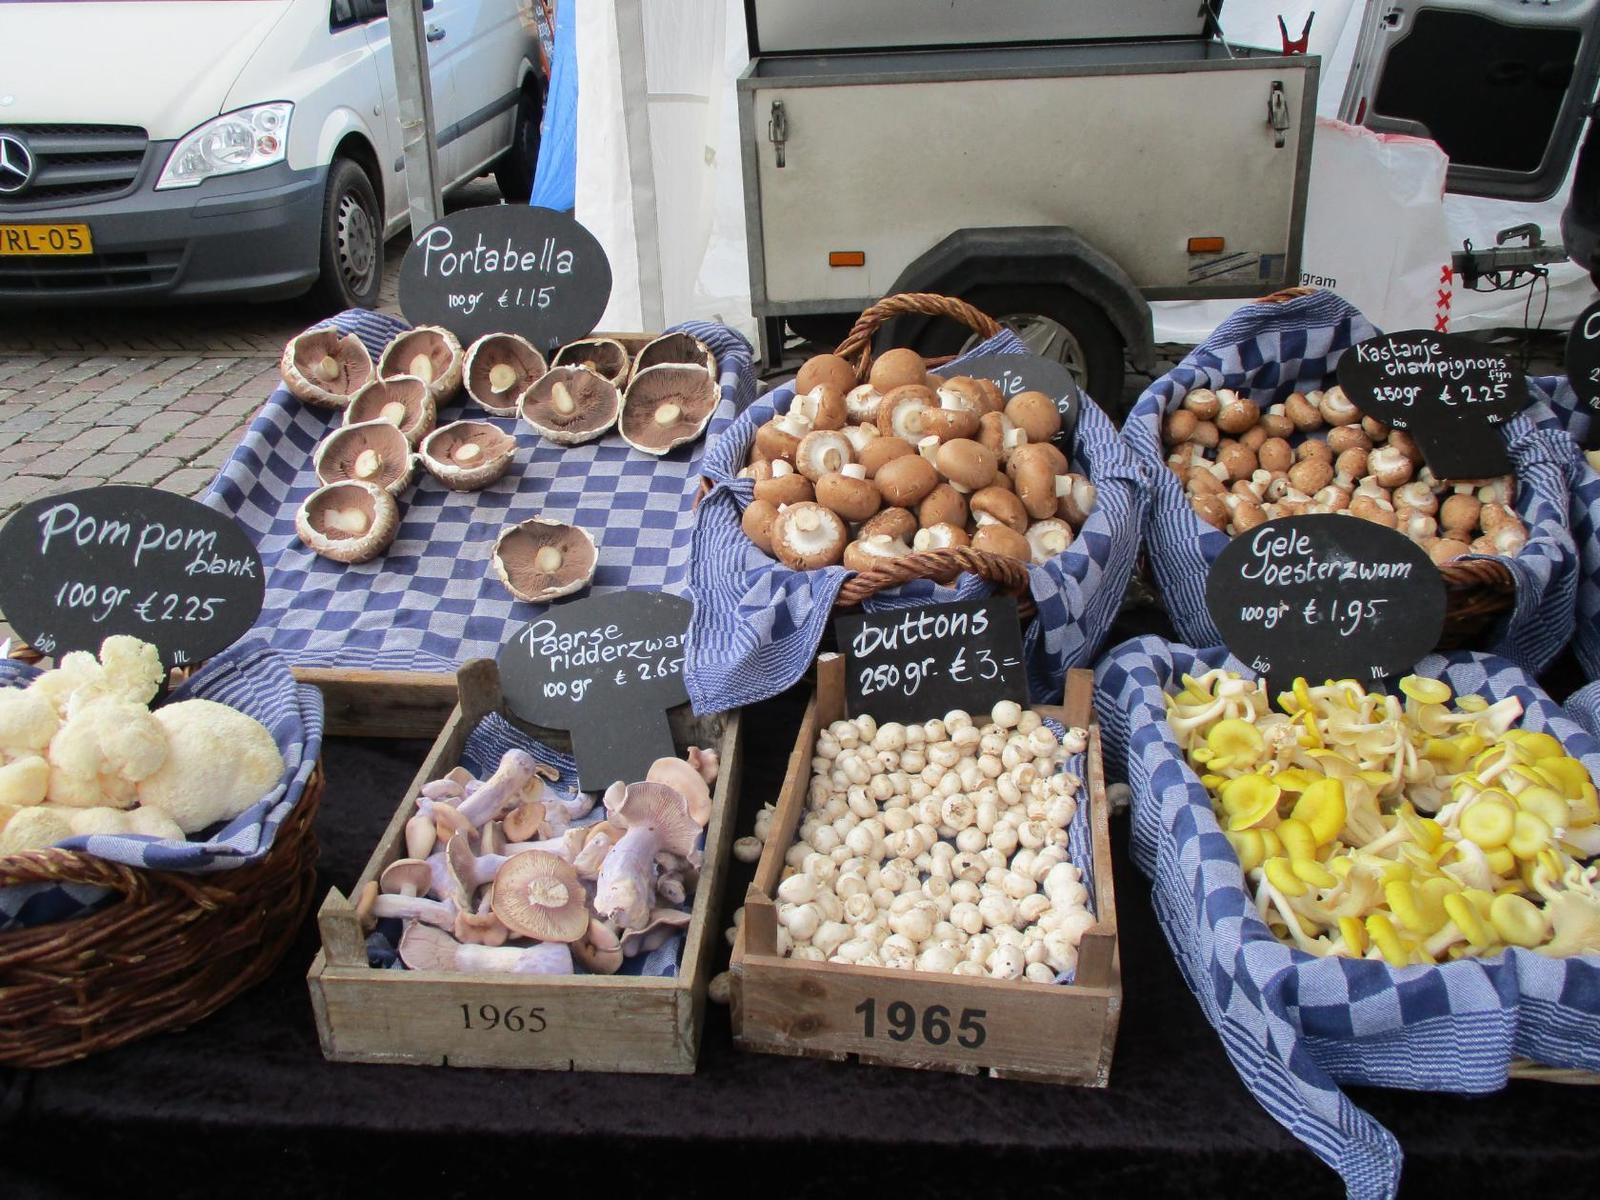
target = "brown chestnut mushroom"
x: 783, y: 485
x: 1459, y: 515
x: 757, y: 523
x: 942, y: 536
x: 996, y: 504
x: 1212, y: 511
x: 966, y: 464
x: 943, y: 506
x: 1252, y: 438
x: 1179, y: 427
x: 1238, y: 460
x: 1276, y: 455
x: 896, y: 522
x: 822, y: 451
x: 1048, y: 538
x: 1236, y: 413
x: 1311, y: 475
x: 822, y: 406
x: 1337, y: 409
x: 828, y: 369
x: 1446, y: 548
x: 904, y: 481
x: 1302, y: 412
x: 1075, y: 499
x: 1036, y: 415
x: 900, y: 411
x: 880, y: 450
x: 1203, y: 403
x: 895, y: 368
x: 1389, y: 466
x: 1205, y: 435
x: 849, y: 493
x: 807, y: 536
x: 865, y: 553
x: 995, y: 538
x: 1348, y: 437
x: 780, y: 437
x: 861, y: 404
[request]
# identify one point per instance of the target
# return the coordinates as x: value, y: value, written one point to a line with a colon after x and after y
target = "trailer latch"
x: 778, y: 129
x: 1277, y: 115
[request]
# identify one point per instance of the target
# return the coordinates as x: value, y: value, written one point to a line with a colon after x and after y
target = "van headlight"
x: 237, y: 141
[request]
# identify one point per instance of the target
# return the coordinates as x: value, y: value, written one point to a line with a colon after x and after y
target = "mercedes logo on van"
x: 16, y: 165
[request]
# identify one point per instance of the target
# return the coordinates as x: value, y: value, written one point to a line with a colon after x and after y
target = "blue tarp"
x: 555, y: 180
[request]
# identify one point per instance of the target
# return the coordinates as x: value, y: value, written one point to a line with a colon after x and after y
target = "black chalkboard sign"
x: 507, y: 269
x: 606, y: 669
x: 1449, y: 393
x: 1014, y: 373
x: 1583, y: 367
x: 82, y: 566
x: 914, y: 664
x: 1326, y: 597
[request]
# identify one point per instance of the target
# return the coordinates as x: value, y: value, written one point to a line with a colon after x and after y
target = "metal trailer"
x: 1057, y: 183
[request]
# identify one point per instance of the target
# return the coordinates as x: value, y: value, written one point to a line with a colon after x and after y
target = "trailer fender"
x: 1041, y: 256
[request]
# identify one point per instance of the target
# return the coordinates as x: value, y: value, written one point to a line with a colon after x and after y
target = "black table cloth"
x: 243, y: 1104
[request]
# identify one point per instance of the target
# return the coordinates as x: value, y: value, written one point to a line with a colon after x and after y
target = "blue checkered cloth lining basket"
x: 432, y: 601
x: 1272, y: 350
x: 1556, y: 406
x: 1296, y: 1026
x: 757, y: 624
x: 485, y: 746
x: 249, y: 677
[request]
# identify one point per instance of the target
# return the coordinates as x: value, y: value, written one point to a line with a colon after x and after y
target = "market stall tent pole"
x: 408, y: 40
x: 629, y: 18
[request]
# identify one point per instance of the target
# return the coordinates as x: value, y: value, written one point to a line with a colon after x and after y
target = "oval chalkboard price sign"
x: 1448, y: 392
x: 131, y: 560
x: 1014, y: 373
x: 1326, y: 597
x: 606, y: 669
x: 512, y: 268
x: 1583, y: 366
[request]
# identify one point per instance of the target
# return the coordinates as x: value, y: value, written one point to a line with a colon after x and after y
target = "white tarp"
x: 660, y: 181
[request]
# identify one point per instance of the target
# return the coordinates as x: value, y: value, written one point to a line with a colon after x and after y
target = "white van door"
x: 496, y: 36
x: 442, y: 58
x: 1502, y: 85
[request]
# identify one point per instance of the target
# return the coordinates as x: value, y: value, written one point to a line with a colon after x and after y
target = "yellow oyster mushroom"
x: 1530, y: 834
x: 1354, y: 936
x: 1465, y: 914
x: 1250, y: 801
x: 1567, y: 775
x: 1489, y: 822
x: 1518, y: 921
x: 1270, y: 845
x: 1294, y: 779
x: 1472, y: 704
x: 1424, y: 690
x: 1280, y: 874
x: 1501, y: 861
x: 1322, y: 809
x: 1311, y: 871
x: 1535, y: 746
x: 1213, y: 782
x: 1297, y: 838
x: 1405, y: 902
x: 1235, y: 738
x: 1248, y: 845
x: 1383, y: 935
x: 1544, y: 803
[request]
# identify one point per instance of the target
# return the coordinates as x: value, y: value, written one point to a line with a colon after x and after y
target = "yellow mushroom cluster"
x: 1405, y: 828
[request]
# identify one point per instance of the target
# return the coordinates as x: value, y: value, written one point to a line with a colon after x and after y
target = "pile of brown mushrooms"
x: 907, y: 462
x: 1242, y: 465
x: 500, y: 875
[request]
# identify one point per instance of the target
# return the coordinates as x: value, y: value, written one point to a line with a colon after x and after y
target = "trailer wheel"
x: 1056, y: 324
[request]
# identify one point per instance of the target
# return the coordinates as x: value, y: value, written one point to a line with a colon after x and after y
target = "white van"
x: 191, y: 149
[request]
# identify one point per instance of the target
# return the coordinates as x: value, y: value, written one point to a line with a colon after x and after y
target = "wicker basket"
x: 1006, y: 575
x: 168, y: 948
x: 1476, y: 591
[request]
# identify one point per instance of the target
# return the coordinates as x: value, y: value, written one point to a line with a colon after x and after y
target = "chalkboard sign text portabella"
x: 511, y: 268
x: 915, y: 664
x: 1326, y: 597
x: 121, y: 559
x: 606, y: 669
x: 1447, y: 392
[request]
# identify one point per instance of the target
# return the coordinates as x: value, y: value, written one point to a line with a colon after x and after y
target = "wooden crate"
x: 1013, y: 1029
x: 550, y: 1022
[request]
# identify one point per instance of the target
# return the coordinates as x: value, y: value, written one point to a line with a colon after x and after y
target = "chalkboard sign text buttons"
x: 511, y: 268
x: 914, y: 664
x: 1326, y: 597
x: 606, y: 669
x: 120, y: 559
x: 1449, y: 393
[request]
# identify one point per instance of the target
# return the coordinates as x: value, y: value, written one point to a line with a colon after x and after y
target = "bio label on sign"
x: 1326, y: 597
x: 120, y: 559
x: 1014, y: 374
x: 605, y: 669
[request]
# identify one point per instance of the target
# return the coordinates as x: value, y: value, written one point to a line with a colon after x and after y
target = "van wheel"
x: 1055, y: 323
x: 514, y: 171
x: 352, y: 241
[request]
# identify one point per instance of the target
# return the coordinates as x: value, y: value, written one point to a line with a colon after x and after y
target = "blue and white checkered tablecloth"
x: 432, y: 602
x: 249, y: 677
x: 1271, y: 350
x: 1556, y: 406
x: 757, y: 624
x: 1295, y: 1026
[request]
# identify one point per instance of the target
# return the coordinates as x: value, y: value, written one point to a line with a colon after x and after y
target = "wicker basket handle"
x: 1007, y: 574
x: 67, y: 866
x: 1286, y: 294
x: 857, y: 345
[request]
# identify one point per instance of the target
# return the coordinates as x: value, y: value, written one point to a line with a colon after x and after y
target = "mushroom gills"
x: 325, y: 368
x: 667, y: 406
x: 570, y: 405
x: 468, y: 455
x: 542, y: 559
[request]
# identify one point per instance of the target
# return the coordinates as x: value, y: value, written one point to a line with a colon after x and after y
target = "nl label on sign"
x: 606, y: 669
x: 507, y: 269
x: 1326, y: 597
x: 83, y: 566
x: 914, y: 664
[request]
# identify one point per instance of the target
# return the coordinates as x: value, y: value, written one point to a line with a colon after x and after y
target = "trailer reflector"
x: 1205, y: 245
x: 847, y: 258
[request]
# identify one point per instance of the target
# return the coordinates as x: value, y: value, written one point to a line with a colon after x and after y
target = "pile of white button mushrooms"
x: 937, y: 847
x: 505, y: 874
